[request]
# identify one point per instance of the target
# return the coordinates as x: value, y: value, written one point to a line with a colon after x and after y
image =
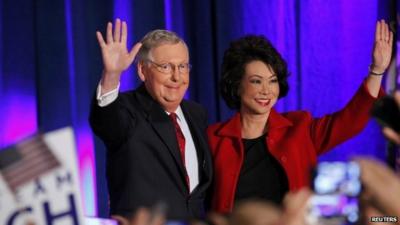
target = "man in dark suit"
x: 156, y: 145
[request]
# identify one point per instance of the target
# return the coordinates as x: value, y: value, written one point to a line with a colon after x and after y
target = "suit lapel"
x: 162, y: 126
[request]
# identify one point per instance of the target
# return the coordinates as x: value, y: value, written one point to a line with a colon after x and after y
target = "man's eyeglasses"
x: 169, y: 67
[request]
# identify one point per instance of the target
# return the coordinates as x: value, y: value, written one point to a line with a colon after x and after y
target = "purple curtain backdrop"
x: 50, y: 63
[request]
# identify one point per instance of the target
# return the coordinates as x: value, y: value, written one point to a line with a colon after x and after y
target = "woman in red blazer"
x: 260, y: 153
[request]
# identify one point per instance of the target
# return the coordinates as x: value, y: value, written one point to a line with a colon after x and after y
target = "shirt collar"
x: 178, y: 112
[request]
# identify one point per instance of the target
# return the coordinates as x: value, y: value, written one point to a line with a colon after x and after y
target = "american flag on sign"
x: 26, y: 161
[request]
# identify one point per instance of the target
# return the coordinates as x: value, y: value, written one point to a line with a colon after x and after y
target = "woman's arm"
x: 340, y: 126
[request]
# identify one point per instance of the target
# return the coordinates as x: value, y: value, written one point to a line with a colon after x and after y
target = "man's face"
x: 167, y: 88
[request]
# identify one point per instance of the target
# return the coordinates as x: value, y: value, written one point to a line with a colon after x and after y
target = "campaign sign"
x: 39, y: 181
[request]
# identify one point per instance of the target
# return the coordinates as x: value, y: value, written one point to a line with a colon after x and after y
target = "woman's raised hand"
x: 382, y: 51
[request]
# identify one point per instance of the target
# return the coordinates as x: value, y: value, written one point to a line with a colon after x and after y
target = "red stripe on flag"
x: 32, y: 174
x: 36, y: 159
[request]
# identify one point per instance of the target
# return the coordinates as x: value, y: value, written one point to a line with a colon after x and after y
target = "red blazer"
x: 295, y: 139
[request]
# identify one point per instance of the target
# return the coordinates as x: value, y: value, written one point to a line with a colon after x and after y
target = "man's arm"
x: 108, y: 117
x: 106, y: 98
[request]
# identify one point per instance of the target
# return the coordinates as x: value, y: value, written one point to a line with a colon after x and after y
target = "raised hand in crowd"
x: 381, y: 189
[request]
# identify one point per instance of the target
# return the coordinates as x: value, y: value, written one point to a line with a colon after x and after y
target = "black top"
x: 261, y: 175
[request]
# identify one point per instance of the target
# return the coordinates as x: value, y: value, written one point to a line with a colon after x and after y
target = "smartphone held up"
x: 337, y: 187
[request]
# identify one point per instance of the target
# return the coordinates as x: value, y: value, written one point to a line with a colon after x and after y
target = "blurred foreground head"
x: 255, y: 212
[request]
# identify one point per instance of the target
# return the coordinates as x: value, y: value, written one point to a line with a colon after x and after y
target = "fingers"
x: 383, y: 32
x: 117, y: 30
x: 377, y: 31
x: 124, y: 34
x: 100, y: 39
x: 387, y: 31
x: 109, y: 33
x: 117, y: 35
x: 380, y: 30
x: 390, y: 39
x: 134, y: 51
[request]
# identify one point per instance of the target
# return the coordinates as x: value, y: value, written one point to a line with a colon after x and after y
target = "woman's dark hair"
x: 238, y: 55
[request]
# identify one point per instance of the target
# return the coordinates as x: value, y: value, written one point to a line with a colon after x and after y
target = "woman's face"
x: 259, y: 88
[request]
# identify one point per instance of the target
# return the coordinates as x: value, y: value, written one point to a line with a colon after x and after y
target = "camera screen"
x: 336, y: 186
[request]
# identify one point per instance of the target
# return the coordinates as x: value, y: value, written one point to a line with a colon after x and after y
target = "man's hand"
x: 116, y: 57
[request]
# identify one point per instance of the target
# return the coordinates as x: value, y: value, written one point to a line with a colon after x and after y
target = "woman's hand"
x: 382, y: 51
x: 381, y: 56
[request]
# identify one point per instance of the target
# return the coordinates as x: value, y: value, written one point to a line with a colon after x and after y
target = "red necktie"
x: 181, y: 143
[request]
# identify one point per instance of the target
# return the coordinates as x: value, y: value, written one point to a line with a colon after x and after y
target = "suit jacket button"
x: 283, y: 159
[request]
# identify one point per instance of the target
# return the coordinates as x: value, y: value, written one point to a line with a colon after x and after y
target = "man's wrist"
x: 105, y: 98
x: 109, y: 81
